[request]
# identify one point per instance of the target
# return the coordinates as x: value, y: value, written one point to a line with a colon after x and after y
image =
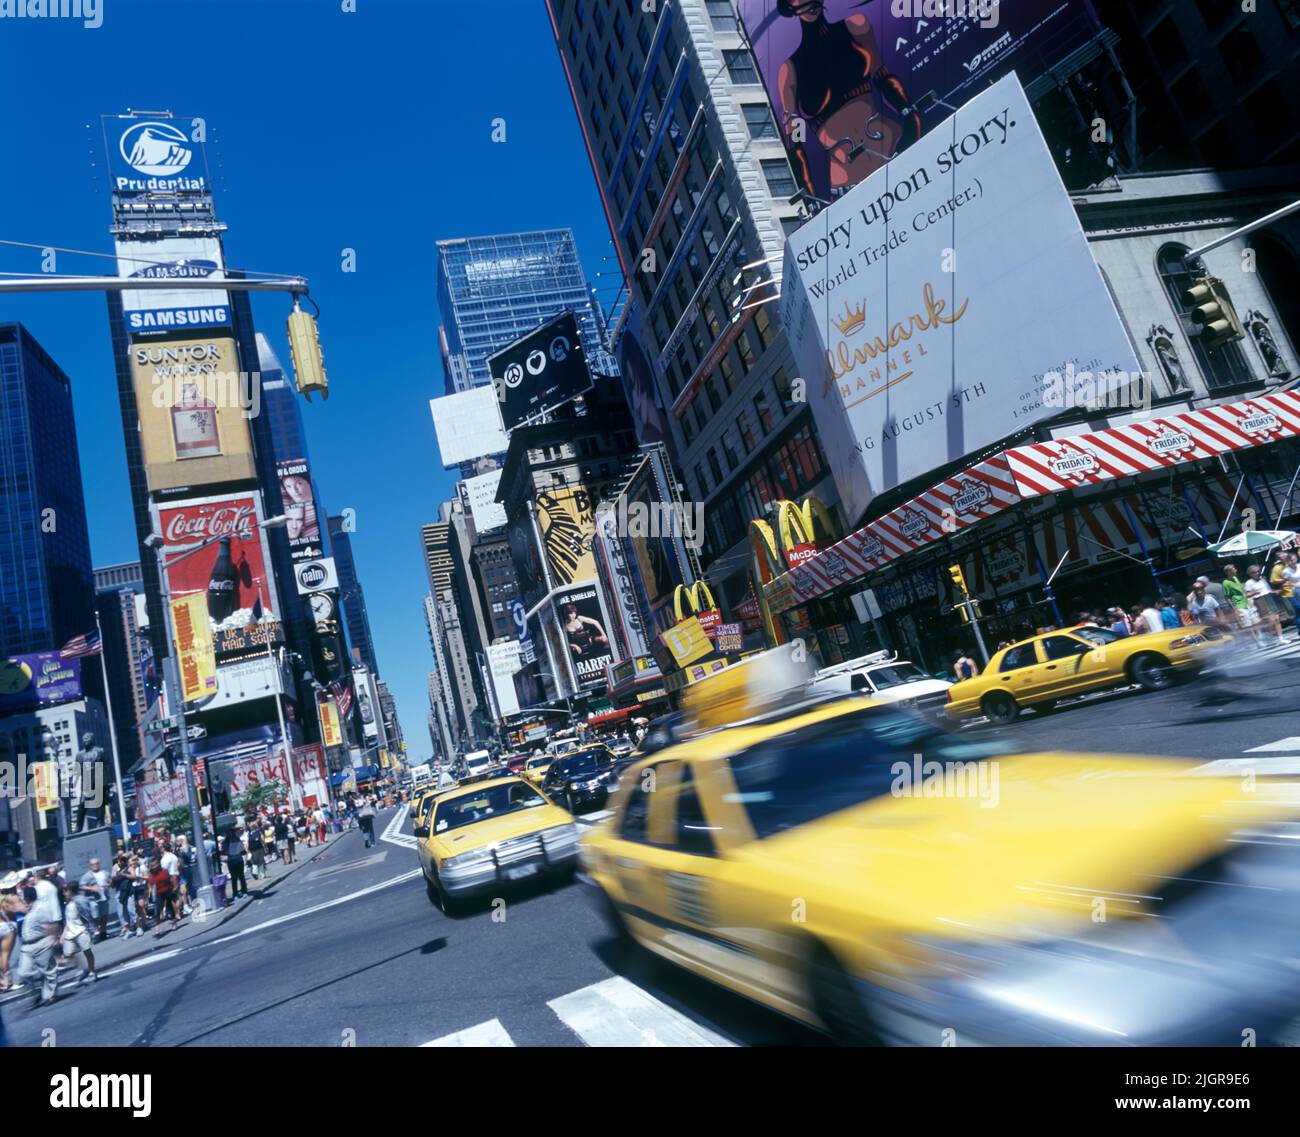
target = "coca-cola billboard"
x: 233, y: 571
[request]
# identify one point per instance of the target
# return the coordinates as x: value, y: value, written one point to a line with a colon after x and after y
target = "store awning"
x: 1022, y: 473
x: 608, y: 717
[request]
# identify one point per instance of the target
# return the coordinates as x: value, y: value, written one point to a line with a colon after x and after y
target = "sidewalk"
x: 114, y: 951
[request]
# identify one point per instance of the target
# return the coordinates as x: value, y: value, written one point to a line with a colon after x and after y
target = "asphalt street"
x: 352, y: 952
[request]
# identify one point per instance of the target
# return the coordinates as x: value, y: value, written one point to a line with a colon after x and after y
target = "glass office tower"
x: 46, y: 589
x: 493, y: 290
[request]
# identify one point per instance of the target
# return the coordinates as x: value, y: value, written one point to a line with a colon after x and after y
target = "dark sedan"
x: 582, y: 778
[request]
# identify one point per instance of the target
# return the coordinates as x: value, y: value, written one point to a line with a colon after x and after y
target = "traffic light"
x: 1212, y: 311
x: 965, y: 611
x: 958, y: 579
x: 304, y: 347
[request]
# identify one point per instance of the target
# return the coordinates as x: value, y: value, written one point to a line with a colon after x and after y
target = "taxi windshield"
x: 537, y: 763
x: 895, y: 676
x: 834, y: 765
x: 585, y: 762
x: 491, y: 801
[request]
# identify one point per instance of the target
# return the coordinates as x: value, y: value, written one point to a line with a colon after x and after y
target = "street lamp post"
x: 176, y: 703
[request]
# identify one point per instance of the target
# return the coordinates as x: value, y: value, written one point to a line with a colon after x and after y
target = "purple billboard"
x: 845, y: 76
x: 38, y: 680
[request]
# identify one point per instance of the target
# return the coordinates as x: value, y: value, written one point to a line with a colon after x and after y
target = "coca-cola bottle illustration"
x: 223, y: 586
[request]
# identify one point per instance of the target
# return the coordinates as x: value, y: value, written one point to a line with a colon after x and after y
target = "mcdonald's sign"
x: 696, y: 600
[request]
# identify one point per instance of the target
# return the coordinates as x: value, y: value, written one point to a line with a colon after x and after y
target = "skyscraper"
x: 128, y: 657
x: 493, y: 290
x: 46, y: 590
x: 351, y: 596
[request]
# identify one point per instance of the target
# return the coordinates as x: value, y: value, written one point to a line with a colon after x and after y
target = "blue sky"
x: 368, y: 130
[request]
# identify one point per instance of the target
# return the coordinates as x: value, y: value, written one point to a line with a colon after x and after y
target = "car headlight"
x: 468, y: 860
x: 1188, y: 641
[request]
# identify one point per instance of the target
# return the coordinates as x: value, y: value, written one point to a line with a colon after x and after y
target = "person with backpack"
x: 256, y: 849
x: 236, y: 851
x: 366, y: 815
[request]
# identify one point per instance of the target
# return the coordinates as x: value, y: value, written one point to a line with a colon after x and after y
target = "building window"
x: 740, y: 66
x: 715, y: 466
x: 746, y: 431
x: 765, y: 410
x: 1224, y: 366
x: 779, y: 179
x: 722, y: 14
x: 759, y: 120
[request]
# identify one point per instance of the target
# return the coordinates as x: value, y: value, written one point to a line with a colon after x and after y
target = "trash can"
x: 219, y: 889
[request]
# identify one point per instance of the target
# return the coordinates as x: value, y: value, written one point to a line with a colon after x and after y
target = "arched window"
x: 1223, y: 366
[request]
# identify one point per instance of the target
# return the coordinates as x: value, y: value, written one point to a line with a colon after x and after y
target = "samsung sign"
x: 155, y: 155
x: 164, y: 318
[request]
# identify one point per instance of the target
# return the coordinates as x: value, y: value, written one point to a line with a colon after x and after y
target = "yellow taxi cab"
x: 496, y: 831
x: 1038, y: 671
x: 535, y: 768
x: 424, y: 800
x: 869, y: 873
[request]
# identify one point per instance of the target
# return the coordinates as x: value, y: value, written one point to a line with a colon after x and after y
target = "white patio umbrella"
x: 1252, y: 541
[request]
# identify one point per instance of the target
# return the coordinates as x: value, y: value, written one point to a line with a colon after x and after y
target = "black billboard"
x: 540, y: 371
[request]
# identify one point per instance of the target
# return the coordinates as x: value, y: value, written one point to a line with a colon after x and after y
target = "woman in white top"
x: 1260, y: 594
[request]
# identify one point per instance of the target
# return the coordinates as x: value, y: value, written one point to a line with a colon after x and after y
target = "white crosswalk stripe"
x: 613, y: 1012
x: 490, y: 1033
x: 1277, y: 759
x: 393, y: 830
x: 618, y: 1013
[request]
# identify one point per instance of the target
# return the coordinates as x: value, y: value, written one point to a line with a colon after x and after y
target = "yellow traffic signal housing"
x: 304, y: 347
x: 958, y: 578
x: 1212, y: 311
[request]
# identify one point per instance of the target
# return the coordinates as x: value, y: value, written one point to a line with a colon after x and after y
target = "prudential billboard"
x: 155, y: 155
x: 927, y: 305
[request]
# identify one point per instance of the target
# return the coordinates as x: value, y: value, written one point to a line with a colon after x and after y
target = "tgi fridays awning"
x: 1023, y: 473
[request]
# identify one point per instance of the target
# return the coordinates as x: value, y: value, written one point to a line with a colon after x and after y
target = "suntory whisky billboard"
x: 193, y: 404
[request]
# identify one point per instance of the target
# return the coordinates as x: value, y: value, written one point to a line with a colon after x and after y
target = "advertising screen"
x: 844, y: 76
x: 537, y: 373
x: 172, y: 258
x: 38, y: 679
x: 193, y: 404
x: 299, y: 501
x: 155, y: 155
x: 567, y: 524
x: 232, y: 572
x: 909, y: 366
x: 583, y: 623
x: 639, y: 385
x: 468, y: 425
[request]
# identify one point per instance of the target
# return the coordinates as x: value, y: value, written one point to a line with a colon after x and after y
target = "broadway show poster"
x: 583, y: 624
x: 843, y: 75
x: 38, y: 679
x: 567, y: 526
x: 236, y: 516
x: 299, y: 502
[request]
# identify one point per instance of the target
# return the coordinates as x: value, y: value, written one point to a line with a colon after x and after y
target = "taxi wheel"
x: 838, y: 1005
x: 1151, y: 672
x: 1000, y: 707
x: 448, y: 906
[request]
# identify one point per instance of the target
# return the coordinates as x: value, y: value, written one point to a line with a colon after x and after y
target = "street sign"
x: 193, y: 733
x: 159, y: 726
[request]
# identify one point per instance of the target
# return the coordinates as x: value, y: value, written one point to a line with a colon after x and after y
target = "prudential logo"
x: 155, y: 149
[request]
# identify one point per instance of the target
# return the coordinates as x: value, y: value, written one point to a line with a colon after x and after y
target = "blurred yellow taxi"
x: 868, y: 873
x: 535, y: 768
x: 1038, y: 671
x: 493, y: 832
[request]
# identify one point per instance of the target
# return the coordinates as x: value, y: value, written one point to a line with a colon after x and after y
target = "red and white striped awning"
x: 1022, y: 473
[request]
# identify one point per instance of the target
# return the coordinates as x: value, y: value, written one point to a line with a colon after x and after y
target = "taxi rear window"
x: 830, y: 766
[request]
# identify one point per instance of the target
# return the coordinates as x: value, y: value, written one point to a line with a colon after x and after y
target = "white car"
x: 884, y: 676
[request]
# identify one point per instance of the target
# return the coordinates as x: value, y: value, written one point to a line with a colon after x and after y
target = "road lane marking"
x: 1290, y: 745
x: 374, y: 858
x: 392, y: 831
x: 272, y: 923
x: 616, y: 1012
x: 490, y: 1033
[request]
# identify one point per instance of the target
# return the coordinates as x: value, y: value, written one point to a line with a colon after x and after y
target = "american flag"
x: 256, y: 617
x: 343, y: 696
x: 81, y: 646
